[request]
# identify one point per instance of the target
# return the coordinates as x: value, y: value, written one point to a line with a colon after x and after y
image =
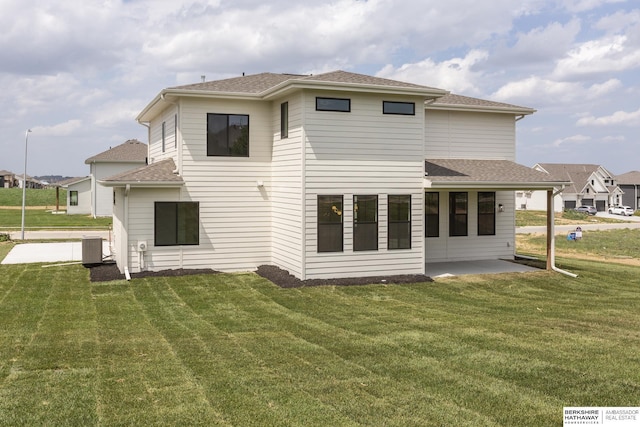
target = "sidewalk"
x: 60, y: 234
x: 562, y: 229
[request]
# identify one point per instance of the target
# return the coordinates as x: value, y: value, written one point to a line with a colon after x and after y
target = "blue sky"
x: 78, y: 72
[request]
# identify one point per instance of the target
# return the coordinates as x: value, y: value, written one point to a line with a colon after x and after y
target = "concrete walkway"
x: 25, y: 253
x: 59, y: 234
x: 449, y: 269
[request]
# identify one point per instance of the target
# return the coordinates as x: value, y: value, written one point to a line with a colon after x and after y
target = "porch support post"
x: 550, y: 231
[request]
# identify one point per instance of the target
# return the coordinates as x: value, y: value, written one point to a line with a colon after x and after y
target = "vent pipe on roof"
x: 203, y: 77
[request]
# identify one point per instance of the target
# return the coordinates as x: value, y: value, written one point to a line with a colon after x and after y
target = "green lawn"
x: 496, y: 350
x: 34, y: 197
x: 538, y: 218
x: 42, y: 219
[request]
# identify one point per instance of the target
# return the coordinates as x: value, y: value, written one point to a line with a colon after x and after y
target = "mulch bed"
x: 108, y: 272
x: 280, y: 277
x: 283, y: 279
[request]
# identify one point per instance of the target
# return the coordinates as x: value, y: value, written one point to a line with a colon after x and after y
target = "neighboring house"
x: 31, y: 182
x: 630, y: 183
x: 591, y: 185
x: 332, y: 175
x: 78, y: 195
x: 126, y: 156
x: 7, y: 179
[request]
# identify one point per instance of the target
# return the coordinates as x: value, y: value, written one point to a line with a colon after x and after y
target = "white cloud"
x: 603, y: 56
x: 61, y: 129
x: 455, y: 74
x: 618, y: 118
x: 585, y: 5
x: 571, y: 140
x: 611, y: 138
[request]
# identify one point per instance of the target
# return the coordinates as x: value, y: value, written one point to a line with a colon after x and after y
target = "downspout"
x: 551, y: 236
x: 126, y: 227
x: 522, y: 116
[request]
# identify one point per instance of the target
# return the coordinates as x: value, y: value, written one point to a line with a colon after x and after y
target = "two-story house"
x: 129, y: 155
x: 330, y: 175
x: 591, y: 185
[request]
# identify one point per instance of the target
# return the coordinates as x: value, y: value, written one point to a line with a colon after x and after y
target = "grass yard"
x: 538, y: 218
x: 34, y: 197
x: 235, y: 350
x: 11, y: 219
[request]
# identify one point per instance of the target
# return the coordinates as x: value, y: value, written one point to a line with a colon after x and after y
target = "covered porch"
x: 503, y: 176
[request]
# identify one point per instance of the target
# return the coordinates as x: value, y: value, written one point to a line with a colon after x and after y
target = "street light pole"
x: 24, y: 179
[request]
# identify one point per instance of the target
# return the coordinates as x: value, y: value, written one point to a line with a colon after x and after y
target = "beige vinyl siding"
x: 468, y: 135
x: 286, y: 190
x: 235, y: 214
x: 472, y: 246
x: 155, y: 135
x: 358, y: 153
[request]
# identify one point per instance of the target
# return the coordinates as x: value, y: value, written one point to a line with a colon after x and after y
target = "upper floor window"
x: 365, y: 223
x: 333, y: 104
x: 284, y: 120
x: 402, y: 108
x: 175, y: 131
x: 228, y: 135
x: 164, y: 136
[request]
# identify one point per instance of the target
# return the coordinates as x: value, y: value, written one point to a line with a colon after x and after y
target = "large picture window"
x: 228, y: 135
x: 342, y: 105
x: 399, y: 224
x: 365, y: 223
x: 330, y: 223
x: 177, y: 223
x: 458, y: 212
x: 486, y: 213
x: 432, y: 214
x: 73, y: 198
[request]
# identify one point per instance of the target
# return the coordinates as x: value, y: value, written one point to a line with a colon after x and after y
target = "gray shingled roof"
x: 160, y: 172
x: 501, y: 173
x: 131, y: 151
x: 629, y: 178
x: 258, y: 83
x: 577, y: 173
x: 69, y: 181
x: 459, y: 100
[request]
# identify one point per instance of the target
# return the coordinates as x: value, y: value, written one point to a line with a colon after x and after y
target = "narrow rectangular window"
x: 164, y: 136
x: 176, y: 223
x: 175, y: 131
x: 458, y: 212
x: 487, y: 213
x: 401, y: 108
x: 73, y: 198
x: 432, y: 214
x: 399, y: 222
x: 228, y: 135
x: 284, y: 120
x: 342, y: 105
x: 365, y: 223
x: 330, y: 223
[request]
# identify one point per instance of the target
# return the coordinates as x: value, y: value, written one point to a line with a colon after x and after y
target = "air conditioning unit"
x: 142, y: 245
x: 91, y: 250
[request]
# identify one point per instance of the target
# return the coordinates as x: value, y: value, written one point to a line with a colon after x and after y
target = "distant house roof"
x: 131, y: 151
x: 159, y: 174
x: 578, y: 173
x: 498, y: 174
x: 629, y: 178
x: 5, y: 173
x: 69, y: 181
